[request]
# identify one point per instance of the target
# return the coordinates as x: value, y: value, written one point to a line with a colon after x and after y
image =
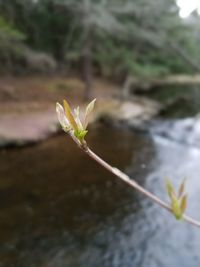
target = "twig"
x: 125, y: 178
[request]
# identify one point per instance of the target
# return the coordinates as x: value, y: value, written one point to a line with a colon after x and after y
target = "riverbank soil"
x: 27, y: 105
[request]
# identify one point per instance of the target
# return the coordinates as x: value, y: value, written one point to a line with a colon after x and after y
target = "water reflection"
x: 59, y: 209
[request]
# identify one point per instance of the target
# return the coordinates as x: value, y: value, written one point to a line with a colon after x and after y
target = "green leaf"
x: 170, y: 189
x: 182, y: 188
x: 61, y: 117
x: 176, y: 209
x: 70, y: 116
x: 183, y: 205
x: 80, y: 134
x: 77, y: 118
x: 89, y: 109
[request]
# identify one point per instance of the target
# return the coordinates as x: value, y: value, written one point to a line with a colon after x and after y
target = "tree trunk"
x: 87, y: 67
x: 87, y: 50
x: 125, y: 92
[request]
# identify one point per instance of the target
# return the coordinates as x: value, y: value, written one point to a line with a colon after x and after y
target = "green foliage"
x: 178, y: 200
x: 11, y: 40
x: 7, y: 31
x: 71, y: 121
x: 80, y: 134
x: 143, y: 38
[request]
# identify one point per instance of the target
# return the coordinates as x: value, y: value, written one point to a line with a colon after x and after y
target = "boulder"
x: 22, y: 129
x: 39, y: 61
x: 134, y: 112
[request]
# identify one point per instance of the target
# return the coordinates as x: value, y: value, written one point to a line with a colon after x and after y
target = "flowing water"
x: 59, y: 209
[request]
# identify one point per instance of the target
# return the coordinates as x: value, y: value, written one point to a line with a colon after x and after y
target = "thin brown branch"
x: 125, y: 178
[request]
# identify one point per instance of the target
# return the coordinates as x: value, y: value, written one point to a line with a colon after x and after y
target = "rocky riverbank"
x: 27, y: 128
x: 17, y: 129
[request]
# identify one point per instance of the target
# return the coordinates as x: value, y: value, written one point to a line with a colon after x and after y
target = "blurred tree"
x: 10, y: 44
x: 92, y: 18
x: 116, y: 38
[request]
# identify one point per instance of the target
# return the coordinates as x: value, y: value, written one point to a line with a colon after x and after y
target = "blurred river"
x: 59, y: 209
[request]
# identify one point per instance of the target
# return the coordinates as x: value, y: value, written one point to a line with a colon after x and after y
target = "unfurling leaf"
x: 77, y: 118
x: 88, y: 111
x: 170, y: 189
x: 61, y: 117
x: 182, y: 188
x: 178, y: 201
x: 77, y: 111
x: 71, y: 121
x: 176, y: 208
x: 80, y: 134
x: 183, y: 205
x: 70, y: 116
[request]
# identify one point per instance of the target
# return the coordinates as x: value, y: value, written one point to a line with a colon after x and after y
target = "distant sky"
x: 188, y: 6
